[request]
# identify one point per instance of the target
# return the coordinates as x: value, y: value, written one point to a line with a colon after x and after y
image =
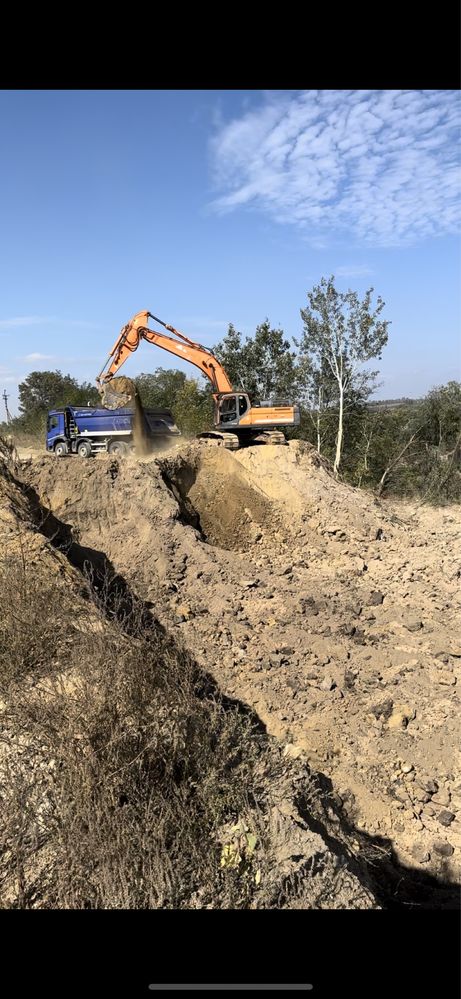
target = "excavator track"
x: 271, y: 437
x: 216, y: 439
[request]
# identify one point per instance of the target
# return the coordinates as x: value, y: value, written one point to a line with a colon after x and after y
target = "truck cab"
x: 57, y: 431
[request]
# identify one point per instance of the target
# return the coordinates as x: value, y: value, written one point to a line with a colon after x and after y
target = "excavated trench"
x: 216, y: 498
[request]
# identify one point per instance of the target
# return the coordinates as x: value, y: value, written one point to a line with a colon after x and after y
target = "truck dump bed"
x: 97, y: 419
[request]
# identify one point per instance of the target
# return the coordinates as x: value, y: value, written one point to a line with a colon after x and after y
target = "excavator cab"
x: 231, y: 408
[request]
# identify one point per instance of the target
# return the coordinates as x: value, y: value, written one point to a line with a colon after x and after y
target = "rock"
x: 292, y: 751
x: 375, y: 598
x: 328, y: 683
x: 430, y: 786
x: 354, y: 609
x: 401, y: 715
x: 421, y: 796
x: 441, y: 798
x: 446, y: 678
x: 406, y: 768
x: 420, y: 854
x: 454, y: 648
x: 383, y: 709
x: 445, y: 817
x: 309, y: 606
x: 413, y: 625
x: 183, y: 611
x: 443, y: 848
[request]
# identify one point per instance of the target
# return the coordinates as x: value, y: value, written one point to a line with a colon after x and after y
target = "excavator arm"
x: 137, y: 329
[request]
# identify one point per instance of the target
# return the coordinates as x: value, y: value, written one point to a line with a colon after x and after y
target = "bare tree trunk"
x: 319, y: 441
x: 367, y: 451
x: 395, y: 462
x: 339, y: 438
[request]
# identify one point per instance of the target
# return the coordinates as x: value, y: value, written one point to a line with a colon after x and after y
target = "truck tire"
x: 118, y: 447
x: 60, y: 449
x: 84, y: 449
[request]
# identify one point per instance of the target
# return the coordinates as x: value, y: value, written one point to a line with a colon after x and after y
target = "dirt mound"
x: 304, y: 489
x: 127, y: 779
x: 334, y: 616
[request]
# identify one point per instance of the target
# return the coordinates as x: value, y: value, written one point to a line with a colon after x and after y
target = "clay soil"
x: 334, y: 616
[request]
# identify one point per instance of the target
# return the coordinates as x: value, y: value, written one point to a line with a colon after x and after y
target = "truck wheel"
x: 118, y: 447
x: 60, y: 449
x: 84, y: 449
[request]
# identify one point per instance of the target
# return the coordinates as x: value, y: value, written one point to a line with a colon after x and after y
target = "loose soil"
x: 332, y: 615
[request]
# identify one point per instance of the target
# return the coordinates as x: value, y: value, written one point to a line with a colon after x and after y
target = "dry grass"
x: 120, y: 769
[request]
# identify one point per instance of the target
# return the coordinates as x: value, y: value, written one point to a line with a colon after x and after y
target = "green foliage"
x: 265, y: 365
x: 44, y: 390
x: 193, y: 408
x: 442, y: 415
x: 161, y: 388
x: 413, y: 450
x: 190, y: 402
x: 341, y: 333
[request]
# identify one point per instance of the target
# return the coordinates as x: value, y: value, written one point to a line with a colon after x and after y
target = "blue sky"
x: 210, y: 207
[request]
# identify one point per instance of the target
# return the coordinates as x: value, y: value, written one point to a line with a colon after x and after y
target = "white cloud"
x: 353, y: 270
x: 383, y: 166
x: 24, y: 321
x: 38, y: 357
x: 16, y: 321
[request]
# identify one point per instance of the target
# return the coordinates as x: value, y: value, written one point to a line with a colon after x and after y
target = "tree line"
x: 412, y: 448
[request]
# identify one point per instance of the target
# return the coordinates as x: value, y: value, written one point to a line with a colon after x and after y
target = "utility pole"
x: 5, y: 400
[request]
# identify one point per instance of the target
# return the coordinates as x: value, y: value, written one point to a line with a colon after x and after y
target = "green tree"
x: 193, y: 407
x: 442, y: 410
x: 265, y: 365
x: 43, y: 390
x: 341, y: 333
x: 161, y: 388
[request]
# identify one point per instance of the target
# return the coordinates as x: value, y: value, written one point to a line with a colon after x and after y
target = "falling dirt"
x: 140, y: 437
x: 121, y: 392
x: 333, y: 615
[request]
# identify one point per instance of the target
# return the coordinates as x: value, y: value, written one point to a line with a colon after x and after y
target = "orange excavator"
x: 236, y: 421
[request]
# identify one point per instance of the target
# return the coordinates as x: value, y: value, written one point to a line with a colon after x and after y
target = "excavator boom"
x: 137, y: 330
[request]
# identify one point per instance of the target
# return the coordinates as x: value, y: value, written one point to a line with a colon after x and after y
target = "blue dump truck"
x: 89, y: 430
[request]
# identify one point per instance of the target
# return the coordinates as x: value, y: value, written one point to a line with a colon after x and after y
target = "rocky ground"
x: 331, y: 614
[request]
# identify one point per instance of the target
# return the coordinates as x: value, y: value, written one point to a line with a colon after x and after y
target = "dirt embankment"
x: 331, y: 614
x: 127, y: 779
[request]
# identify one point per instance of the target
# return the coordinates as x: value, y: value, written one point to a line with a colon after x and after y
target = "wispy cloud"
x: 353, y: 270
x: 39, y: 357
x: 25, y: 321
x: 381, y: 165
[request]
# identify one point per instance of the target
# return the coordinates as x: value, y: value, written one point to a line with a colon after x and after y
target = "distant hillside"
x: 391, y: 403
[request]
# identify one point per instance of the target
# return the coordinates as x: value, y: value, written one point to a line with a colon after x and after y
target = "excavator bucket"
x: 118, y: 393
